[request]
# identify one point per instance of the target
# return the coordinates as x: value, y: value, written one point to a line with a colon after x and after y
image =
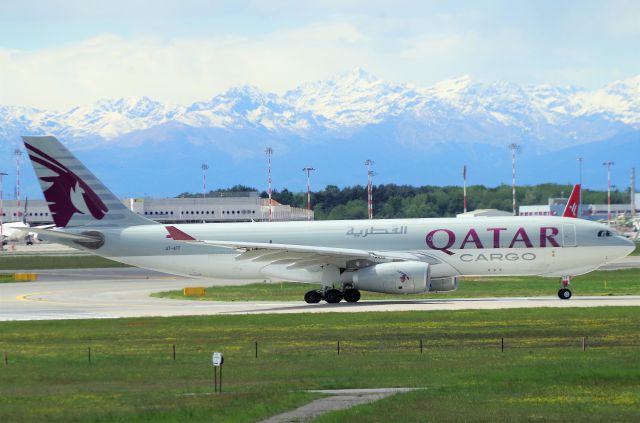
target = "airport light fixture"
x: 2, y: 175
x: 608, y: 164
x: 515, y: 148
x: 370, y: 174
x: 204, y: 168
x: 269, y: 152
x: 308, y: 169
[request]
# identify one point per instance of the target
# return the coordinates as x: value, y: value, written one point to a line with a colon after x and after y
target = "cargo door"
x: 568, y: 235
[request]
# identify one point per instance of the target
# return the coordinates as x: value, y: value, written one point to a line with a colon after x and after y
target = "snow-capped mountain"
x: 418, y: 130
x: 459, y: 110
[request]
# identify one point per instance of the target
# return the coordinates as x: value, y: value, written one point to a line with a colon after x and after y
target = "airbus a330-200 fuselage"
x: 391, y: 256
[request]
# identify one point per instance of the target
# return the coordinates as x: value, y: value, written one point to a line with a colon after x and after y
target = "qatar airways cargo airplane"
x: 344, y: 257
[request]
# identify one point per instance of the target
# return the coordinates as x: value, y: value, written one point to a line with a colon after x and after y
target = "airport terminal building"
x: 587, y: 211
x: 232, y: 207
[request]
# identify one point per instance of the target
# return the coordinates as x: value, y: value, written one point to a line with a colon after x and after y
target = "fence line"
x: 346, y: 346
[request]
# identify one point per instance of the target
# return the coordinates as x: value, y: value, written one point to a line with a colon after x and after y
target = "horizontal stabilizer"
x: 66, y: 236
x: 63, y: 237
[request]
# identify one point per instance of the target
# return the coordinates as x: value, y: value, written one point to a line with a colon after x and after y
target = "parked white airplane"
x: 391, y: 256
x: 20, y: 231
x: 14, y: 231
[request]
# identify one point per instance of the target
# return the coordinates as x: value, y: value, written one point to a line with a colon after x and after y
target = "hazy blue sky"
x: 57, y: 54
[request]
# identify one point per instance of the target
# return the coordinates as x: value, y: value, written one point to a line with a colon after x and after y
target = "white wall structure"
x: 233, y: 207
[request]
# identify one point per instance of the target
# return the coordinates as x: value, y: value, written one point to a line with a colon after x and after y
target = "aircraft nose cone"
x: 629, y: 245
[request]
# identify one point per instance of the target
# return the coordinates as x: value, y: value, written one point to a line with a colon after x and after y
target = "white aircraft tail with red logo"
x: 74, y: 195
x: 572, y: 208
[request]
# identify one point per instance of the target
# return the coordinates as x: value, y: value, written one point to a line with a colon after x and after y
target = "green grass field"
x: 619, y: 282
x: 543, y: 374
x: 34, y: 262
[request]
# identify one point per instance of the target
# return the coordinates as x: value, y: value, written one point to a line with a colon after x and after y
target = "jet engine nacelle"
x: 406, y: 277
x: 443, y: 284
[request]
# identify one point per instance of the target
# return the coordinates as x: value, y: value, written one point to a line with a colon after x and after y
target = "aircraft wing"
x: 299, y: 256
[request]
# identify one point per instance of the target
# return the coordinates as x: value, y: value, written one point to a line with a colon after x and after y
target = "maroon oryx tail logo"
x: 404, y: 277
x: 67, y: 193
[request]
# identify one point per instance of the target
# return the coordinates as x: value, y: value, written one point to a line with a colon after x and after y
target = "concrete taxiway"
x: 125, y: 292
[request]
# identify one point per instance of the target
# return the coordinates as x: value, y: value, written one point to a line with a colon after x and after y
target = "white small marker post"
x: 217, y: 359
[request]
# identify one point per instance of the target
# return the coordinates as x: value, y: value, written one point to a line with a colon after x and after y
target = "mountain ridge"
x: 416, y: 135
x: 546, y: 115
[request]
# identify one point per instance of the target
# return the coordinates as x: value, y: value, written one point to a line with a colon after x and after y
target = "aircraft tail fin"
x: 74, y: 195
x: 573, y: 205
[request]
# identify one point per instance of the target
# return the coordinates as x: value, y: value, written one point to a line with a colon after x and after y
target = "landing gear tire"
x: 333, y: 296
x: 564, y: 294
x: 351, y: 295
x: 312, y: 297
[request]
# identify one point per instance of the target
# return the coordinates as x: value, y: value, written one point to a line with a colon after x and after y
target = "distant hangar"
x: 232, y: 207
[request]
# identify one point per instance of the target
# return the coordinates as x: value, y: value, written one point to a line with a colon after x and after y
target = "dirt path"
x: 339, y: 399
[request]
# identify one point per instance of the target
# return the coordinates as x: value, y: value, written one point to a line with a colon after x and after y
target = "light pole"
x: 370, y: 173
x: 269, y: 152
x: 608, y: 164
x: 308, y: 169
x: 18, y: 155
x: 464, y: 187
x: 632, y: 192
x: 514, y: 149
x: 580, y: 181
x: 2, y: 174
x: 204, y: 167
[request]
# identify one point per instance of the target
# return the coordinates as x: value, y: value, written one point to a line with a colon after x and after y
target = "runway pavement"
x: 124, y: 292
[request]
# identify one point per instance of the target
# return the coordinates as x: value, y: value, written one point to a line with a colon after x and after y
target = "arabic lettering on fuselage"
x: 445, y: 239
x: 372, y: 230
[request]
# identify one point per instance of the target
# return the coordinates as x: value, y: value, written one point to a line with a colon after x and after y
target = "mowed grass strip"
x: 617, y: 282
x: 543, y: 374
x: 36, y: 261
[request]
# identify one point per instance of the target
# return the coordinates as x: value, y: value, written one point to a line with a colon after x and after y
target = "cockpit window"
x: 602, y: 234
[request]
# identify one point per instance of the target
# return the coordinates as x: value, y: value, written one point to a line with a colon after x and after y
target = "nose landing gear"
x: 565, y: 293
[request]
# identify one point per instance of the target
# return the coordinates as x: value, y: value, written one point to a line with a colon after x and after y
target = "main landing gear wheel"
x: 564, y: 294
x: 333, y: 296
x: 312, y: 297
x: 351, y: 295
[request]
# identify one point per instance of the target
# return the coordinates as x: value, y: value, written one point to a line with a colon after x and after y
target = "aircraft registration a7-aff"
x: 406, y: 256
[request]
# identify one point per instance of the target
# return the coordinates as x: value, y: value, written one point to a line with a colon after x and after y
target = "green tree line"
x: 406, y: 201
